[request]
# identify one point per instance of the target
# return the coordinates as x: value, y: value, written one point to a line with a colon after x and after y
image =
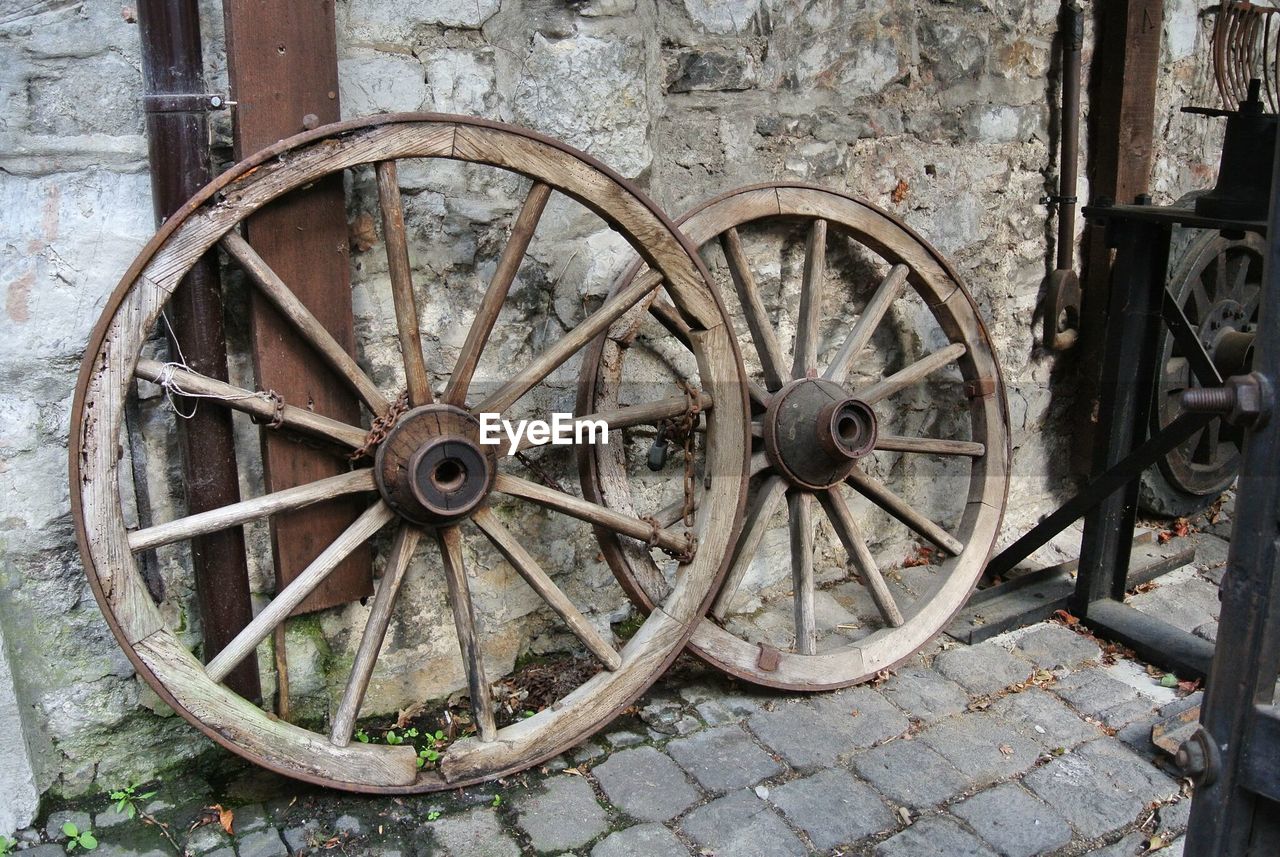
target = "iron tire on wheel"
x: 111, y: 550
x: 913, y: 264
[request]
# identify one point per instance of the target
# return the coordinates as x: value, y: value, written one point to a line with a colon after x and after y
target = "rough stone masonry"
x: 940, y: 112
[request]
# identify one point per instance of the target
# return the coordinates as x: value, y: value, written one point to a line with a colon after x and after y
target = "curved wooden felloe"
x: 112, y: 361
x: 909, y: 263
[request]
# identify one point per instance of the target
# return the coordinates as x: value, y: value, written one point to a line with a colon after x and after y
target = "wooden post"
x: 1121, y: 130
x: 282, y: 60
x: 178, y: 139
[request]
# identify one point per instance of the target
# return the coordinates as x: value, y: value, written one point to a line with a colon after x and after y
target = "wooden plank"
x: 282, y: 61
x: 1121, y: 131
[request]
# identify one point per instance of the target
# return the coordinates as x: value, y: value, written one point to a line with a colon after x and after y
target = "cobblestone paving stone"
x: 477, y: 833
x: 935, y: 836
x: 643, y: 840
x: 911, y: 773
x: 984, y: 668
x: 1014, y: 822
x: 645, y: 784
x: 741, y: 823
x: 832, y: 808
x: 924, y: 694
x: 564, y: 816
x: 1029, y: 743
x: 1100, y: 786
x: 723, y: 759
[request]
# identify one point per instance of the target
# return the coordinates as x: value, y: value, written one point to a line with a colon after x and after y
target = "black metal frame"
x: 1139, y: 304
x: 1236, y: 808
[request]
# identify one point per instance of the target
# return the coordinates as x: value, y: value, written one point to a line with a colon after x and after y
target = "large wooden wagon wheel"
x: 892, y: 373
x: 429, y: 480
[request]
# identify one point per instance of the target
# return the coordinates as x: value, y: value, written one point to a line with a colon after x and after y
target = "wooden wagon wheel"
x: 430, y: 478
x: 830, y: 429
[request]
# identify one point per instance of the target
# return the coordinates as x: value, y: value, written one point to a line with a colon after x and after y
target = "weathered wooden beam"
x: 282, y: 62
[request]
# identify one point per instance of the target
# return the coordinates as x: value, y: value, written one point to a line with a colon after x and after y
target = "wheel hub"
x: 814, y: 432
x: 1225, y: 338
x: 432, y: 469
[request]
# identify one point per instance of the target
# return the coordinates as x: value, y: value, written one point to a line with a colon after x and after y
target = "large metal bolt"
x: 1243, y: 400
x: 1197, y: 757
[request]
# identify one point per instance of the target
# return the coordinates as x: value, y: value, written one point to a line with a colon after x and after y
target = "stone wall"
x: 940, y: 112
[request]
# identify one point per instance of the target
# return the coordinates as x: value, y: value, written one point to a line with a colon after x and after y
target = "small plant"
x: 431, y: 816
x: 430, y: 754
x: 362, y: 736
x: 526, y: 714
x: 497, y: 800
x: 79, y: 839
x: 411, y: 733
x: 393, y: 739
x: 126, y: 800
x: 7, y: 845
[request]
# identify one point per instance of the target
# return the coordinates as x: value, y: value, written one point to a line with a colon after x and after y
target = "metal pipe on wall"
x: 176, y: 107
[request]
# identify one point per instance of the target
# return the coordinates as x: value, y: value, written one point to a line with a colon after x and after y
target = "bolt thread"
x: 1211, y: 400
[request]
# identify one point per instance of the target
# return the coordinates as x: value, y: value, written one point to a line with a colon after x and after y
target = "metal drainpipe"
x: 176, y: 107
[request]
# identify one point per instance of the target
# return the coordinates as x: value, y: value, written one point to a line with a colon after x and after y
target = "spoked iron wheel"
x: 1216, y: 281
x: 429, y: 479
x: 887, y: 419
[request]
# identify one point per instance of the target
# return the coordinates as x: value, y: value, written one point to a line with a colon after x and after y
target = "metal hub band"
x: 432, y: 468
x: 814, y: 432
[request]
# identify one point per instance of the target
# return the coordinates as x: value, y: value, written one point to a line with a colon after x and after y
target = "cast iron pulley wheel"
x: 1216, y: 281
x: 424, y: 479
x: 883, y: 428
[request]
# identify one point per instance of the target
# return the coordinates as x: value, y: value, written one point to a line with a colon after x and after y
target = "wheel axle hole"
x: 848, y: 429
x: 448, y: 475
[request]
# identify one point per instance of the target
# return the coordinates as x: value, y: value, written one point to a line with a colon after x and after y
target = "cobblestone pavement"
x: 1033, y: 742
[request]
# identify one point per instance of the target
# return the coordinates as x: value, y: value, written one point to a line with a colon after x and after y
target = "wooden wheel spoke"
x: 753, y: 531
x: 541, y: 583
x: 648, y: 413
x: 464, y: 619
x: 393, y: 232
x: 800, y: 519
x: 288, y: 500
x: 585, y: 510
x: 307, y: 325
x: 762, y: 329
x: 851, y: 537
x: 930, y: 445
x: 374, y: 518
x: 260, y: 405
x: 508, y: 265
x: 877, y: 493
x: 810, y: 320
x: 912, y: 373
x: 886, y: 293
x: 669, y: 317
x: 590, y: 327
x: 375, y: 631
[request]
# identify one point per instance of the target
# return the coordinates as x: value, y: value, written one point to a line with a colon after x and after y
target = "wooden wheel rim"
x: 111, y: 359
x: 956, y: 313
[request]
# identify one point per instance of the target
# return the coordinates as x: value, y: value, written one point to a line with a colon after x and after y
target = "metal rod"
x: 177, y: 150
x: 1073, y: 42
x: 1099, y: 489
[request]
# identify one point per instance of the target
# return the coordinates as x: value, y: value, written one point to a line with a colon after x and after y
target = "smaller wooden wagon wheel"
x: 428, y: 479
x: 892, y: 381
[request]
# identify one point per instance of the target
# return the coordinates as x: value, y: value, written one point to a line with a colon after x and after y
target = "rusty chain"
x: 683, y: 429
x: 382, y: 426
